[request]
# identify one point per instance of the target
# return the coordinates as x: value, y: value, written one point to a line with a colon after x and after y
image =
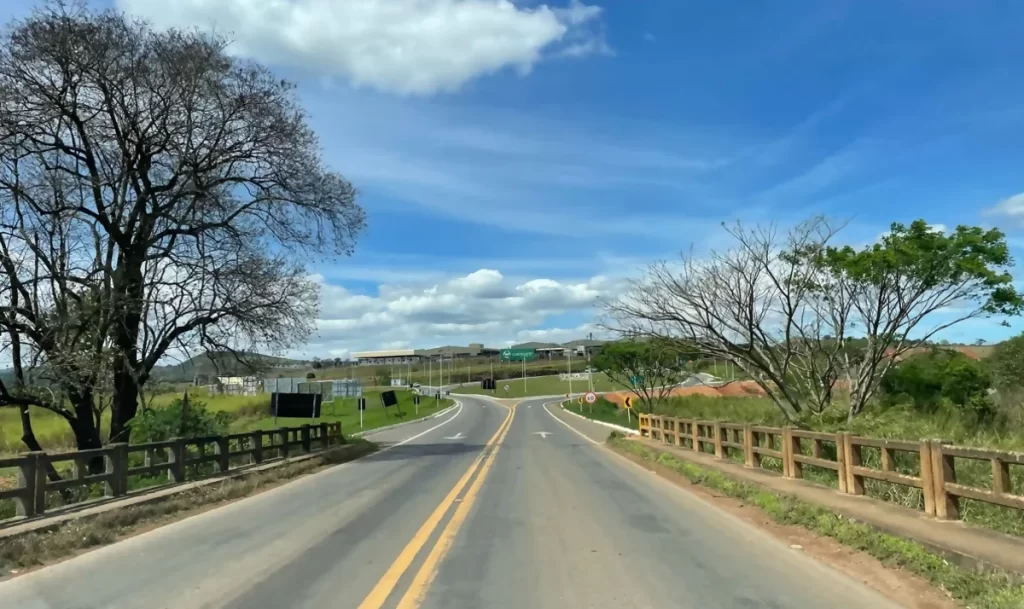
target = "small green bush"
x: 178, y: 420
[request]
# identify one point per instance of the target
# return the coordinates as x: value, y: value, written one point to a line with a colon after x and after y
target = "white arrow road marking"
x: 543, y: 434
x: 457, y: 436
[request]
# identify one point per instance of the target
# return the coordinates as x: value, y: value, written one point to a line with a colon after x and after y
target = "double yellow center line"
x: 425, y: 575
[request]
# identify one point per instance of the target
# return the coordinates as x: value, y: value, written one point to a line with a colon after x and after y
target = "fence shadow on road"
x: 419, y: 451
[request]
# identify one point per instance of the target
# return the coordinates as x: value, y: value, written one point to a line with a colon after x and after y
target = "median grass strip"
x: 977, y: 590
x: 41, y: 547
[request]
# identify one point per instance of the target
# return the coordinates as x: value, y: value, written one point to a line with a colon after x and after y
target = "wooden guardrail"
x: 181, y: 459
x: 935, y: 472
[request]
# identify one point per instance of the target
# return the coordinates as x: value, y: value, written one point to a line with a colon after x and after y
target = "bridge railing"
x: 929, y: 465
x: 112, y: 470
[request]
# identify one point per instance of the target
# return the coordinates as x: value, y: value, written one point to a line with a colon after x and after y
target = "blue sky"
x: 552, y: 149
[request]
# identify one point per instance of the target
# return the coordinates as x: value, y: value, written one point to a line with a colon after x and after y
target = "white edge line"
x: 370, y: 432
x: 422, y: 433
x: 578, y: 432
x: 602, y: 423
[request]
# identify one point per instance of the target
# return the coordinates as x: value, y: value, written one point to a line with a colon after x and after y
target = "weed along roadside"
x: 39, y: 547
x: 977, y: 588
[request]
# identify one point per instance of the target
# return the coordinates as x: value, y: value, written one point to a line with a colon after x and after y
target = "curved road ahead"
x: 489, y: 507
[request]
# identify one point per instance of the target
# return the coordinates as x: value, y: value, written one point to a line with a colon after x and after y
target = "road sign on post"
x: 591, y: 397
x: 517, y: 355
x: 506, y: 389
x: 628, y: 402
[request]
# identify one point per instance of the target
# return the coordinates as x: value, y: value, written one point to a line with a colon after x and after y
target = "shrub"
x: 930, y: 381
x: 178, y: 419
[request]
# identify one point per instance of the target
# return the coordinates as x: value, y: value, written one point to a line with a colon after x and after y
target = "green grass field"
x: 603, y: 410
x: 345, y: 411
x: 539, y: 385
x: 249, y: 412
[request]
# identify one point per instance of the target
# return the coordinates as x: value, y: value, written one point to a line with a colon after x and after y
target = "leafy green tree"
x: 650, y: 368
x: 915, y: 280
x: 937, y: 379
x: 382, y: 377
x: 1006, y: 364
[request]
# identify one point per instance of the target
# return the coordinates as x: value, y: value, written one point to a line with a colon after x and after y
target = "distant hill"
x: 223, y: 364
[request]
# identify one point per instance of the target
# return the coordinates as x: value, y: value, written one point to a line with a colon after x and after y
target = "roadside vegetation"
x: 977, y: 590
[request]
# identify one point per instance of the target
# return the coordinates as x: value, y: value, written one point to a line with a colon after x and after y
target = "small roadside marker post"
x: 629, y: 409
x: 361, y: 405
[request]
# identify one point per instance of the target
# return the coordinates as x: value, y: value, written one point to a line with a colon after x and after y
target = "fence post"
x: 748, y: 446
x: 306, y: 443
x: 796, y: 469
x: 285, y: 435
x: 117, y: 465
x: 176, y: 471
x: 323, y: 436
x: 842, y: 471
x: 854, y: 483
x: 695, y: 434
x: 787, y: 452
x: 927, y: 479
x: 256, y: 439
x: 719, y: 449
x: 28, y: 479
x: 947, y: 507
x: 223, y: 454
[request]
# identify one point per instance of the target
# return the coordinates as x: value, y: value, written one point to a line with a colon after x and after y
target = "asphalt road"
x: 493, y: 509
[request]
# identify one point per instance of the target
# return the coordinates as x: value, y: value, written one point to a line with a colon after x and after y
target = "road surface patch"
x: 413, y: 597
x: 380, y: 592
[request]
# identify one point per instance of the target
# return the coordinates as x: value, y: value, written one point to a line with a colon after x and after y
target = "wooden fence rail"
x: 843, y: 453
x: 179, y: 459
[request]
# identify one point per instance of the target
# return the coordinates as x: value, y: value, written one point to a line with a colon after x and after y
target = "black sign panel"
x: 298, y: 405
x: 362, y: 403
x: 388, y: 398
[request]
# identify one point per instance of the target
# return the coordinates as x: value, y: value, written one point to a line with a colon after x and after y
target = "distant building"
x: 413, y: 356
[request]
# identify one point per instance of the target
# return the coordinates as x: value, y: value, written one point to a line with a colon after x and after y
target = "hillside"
x: 223, y: 364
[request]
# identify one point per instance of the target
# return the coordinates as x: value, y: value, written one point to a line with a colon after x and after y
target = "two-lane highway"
x: 493, y: 507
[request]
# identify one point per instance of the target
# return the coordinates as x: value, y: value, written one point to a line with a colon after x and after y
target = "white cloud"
x: 403, y: 46
x: 482, y: 306
x: 1010, y: 209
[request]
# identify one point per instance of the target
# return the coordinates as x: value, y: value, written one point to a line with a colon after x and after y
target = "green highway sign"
x: 636, y: 380
x: 517, y: 354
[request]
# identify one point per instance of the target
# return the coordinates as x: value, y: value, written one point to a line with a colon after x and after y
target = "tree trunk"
x: 28, y: 437
x: 87, y: 433
x: 125, y: 404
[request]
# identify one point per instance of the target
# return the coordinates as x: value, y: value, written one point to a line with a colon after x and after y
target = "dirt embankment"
x: 735, y: 389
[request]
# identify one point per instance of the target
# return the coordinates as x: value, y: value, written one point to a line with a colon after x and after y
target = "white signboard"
x: 398, y: 382
x: 575, y: 376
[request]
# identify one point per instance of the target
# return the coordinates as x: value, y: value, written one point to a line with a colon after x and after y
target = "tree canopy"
x: 650, y: 368
x: 157, y: 196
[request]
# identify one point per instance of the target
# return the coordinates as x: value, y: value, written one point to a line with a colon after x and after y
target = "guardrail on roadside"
x: 935, y: 475
x: 180, y: 459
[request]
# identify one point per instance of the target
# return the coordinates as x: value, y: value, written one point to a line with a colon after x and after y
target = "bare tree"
x: 194, y: 176
x: 748, y: 305
x: 804, y: 318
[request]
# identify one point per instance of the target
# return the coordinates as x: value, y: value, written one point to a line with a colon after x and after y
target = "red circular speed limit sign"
x: 591, y: 397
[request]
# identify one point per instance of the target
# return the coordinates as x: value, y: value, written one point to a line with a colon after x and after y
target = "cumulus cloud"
x: 403, y: 46
x: 483, y: 306
x: 1011, y: 210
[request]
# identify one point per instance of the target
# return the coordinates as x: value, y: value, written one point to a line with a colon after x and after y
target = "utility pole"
x: 570, y: 372
x: 492, y: 374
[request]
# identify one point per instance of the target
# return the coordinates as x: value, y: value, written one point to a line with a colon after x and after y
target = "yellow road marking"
x: 375, y: 599
x: 413, y: 597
